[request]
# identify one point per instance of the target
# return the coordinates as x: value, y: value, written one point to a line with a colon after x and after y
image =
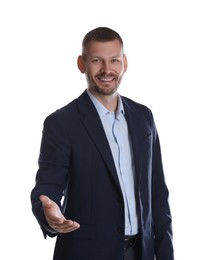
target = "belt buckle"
x: 130, y: 241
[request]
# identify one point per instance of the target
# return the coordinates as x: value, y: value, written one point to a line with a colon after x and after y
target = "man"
x: 101, y: 155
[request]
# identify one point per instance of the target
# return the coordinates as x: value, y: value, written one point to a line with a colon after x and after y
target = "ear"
x: 125, y: 63
x: 81, y: 64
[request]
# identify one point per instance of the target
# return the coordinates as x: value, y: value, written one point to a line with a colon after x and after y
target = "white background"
x: 169, y: 49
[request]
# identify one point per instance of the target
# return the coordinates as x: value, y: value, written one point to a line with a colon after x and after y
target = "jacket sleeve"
x: 52, y: 175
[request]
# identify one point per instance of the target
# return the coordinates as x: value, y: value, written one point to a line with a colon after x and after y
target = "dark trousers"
x: 133, y: 252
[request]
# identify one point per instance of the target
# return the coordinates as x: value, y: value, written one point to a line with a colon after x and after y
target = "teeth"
x: 106, y: 79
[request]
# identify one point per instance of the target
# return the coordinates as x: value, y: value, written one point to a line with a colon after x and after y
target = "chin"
x: 106, y: 91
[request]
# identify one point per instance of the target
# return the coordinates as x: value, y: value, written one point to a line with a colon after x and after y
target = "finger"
x: 67, y: 225
x: 71, y: 224
x: 67, y: 228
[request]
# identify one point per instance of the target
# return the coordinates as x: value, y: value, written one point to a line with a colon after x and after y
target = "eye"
x: 96, y: 60
x: 115, y: 60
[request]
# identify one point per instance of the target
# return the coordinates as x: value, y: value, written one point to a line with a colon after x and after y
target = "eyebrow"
x: 99, y: 57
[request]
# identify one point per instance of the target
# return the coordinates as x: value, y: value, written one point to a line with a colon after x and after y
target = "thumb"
x: 46, y: 202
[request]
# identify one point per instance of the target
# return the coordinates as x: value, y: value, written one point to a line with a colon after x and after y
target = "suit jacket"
x: 76, y: 162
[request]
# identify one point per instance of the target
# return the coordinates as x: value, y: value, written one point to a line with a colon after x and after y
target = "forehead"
x: 108, y: 48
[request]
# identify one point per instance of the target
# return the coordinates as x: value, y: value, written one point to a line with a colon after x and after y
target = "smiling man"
x: 104, y: 64
x: 101, y: 154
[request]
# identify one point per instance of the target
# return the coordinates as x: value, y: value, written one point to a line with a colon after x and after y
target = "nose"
x: 106, y: 68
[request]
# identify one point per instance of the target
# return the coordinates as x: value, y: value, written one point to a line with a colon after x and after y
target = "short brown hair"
x: 100, y: 34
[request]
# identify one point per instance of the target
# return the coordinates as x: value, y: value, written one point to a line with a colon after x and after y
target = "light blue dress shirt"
x: 116, y: 129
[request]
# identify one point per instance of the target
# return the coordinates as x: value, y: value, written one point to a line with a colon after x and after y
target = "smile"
x: 108, y: 79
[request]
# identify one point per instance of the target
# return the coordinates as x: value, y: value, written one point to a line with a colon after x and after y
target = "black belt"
x: 130, y: 241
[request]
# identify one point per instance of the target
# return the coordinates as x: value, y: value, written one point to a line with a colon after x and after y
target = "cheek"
x: 90, y: 76
x: 121, y: 70
x: 92, y: 70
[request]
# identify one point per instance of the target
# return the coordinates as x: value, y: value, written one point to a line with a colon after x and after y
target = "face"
x: 104, y: 66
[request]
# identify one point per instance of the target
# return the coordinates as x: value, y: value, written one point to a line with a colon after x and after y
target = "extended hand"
x: 55, y: 218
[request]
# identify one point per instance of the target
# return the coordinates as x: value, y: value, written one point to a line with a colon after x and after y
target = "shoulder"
x: 63, y: 112
x: 69, y: 110
x: 141, y: 115
x: 136, y: 107
x: 70, y: 113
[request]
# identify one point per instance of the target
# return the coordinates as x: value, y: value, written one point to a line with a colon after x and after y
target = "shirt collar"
x: 102, y: 110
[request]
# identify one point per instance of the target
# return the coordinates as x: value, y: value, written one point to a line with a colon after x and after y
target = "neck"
x: 108, y: 101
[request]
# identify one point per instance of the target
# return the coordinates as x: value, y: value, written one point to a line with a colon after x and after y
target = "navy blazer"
x: 76, y: 163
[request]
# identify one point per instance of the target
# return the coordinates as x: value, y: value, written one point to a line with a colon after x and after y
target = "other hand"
x: 55, y: 218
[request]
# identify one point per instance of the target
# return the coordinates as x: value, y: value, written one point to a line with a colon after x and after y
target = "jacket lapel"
x: 138, y: 133
x: 93, y: 125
